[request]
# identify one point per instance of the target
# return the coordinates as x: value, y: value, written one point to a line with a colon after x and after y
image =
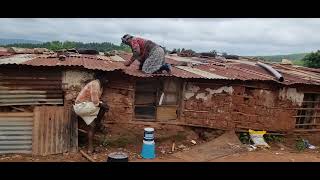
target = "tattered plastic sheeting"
x: 257, y: 138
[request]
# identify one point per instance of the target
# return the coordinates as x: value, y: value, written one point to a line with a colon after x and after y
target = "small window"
x: 145, y: 100
x: 308, y: 116
x: 156, y: 99
x: 170, y: 92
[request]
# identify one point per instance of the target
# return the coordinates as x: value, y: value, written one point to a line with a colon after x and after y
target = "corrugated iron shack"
x: 38, y: 90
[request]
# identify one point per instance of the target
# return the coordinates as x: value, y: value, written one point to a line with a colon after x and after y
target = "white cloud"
x: 236, y: 36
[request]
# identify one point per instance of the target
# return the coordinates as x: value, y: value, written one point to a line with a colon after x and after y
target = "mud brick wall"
x: 235, y: 106
x: 119, y: 95
x: 206, y: 105
x: 74, y: 81
x: 262, y: 109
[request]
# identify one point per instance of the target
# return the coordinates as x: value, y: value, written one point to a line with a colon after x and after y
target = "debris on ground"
x: 193, y: 142
x: 224, y: 145
x: 173, y: 147
x: 182, y: 146
x: 257, y: 138
x: 308, y: 145
x: 87, y: 156
x: 252, y: 147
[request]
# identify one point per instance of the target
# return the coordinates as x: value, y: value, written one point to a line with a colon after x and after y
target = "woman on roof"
x: 150, y: 55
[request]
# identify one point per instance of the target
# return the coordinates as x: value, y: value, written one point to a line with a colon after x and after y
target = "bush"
x: 273, y: 138
x: 300, y: 145
x: 245, y: 138
x: 312, y: 59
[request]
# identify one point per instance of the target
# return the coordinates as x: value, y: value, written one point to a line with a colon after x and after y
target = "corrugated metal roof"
x: 4, y: 53
x: 205, y: 68
x: 85, y: 62
x: 17, y: 59
x: 204, y: 74
x: 117, y: 58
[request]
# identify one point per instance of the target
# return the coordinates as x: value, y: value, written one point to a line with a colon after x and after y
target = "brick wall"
x: 119, y: 95
x: 234, y: 106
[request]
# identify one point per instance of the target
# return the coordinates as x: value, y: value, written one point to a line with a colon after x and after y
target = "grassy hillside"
x: 278, y: 58
x: 17, y: 41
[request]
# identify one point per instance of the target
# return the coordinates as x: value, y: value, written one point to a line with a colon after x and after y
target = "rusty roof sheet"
x: 85, y: 62
x: 182, y: 67
x: 4, y: 53
x: 17, y: 59
x: 202, y: 73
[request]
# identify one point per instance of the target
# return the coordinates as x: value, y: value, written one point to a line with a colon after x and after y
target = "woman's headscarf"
x: 125, y: 38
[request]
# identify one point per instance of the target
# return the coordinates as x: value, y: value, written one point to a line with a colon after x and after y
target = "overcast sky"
x: 234, y: 36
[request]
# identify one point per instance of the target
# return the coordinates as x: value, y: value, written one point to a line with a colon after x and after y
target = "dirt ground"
x: 205, y: 150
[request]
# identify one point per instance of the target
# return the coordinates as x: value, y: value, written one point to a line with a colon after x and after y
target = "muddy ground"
x: 129, y: 140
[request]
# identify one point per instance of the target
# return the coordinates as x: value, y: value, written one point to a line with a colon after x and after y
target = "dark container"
x: 118, y: 157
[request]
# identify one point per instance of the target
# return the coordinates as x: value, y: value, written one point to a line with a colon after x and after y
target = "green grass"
x: 299, y: 63
x: 278, y: 58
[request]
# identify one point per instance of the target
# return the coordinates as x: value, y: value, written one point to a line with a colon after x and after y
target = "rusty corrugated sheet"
x: 176, y: 72
x: 3, y: 53
x: 17, y: 59
x: 202, y: 73
x: 30, y: 87
x: 85, y: 62
x: 231, y: 69
x: 16, y: 132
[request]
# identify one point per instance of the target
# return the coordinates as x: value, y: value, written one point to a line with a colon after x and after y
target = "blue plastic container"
x: 148, y: 147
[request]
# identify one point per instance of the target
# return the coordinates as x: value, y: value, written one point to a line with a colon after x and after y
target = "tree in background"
x: 57, y: 45
x: 312, y: 60
x: 214, y: 52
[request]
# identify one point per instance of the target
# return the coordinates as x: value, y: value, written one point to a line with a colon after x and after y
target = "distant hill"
x: 18, y: 41
x: 278, y: 58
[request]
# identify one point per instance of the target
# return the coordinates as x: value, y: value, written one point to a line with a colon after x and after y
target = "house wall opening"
x: 308, y: 114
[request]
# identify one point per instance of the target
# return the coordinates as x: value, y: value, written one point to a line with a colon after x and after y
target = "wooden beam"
x: 87, y: 156
x: 19, y: 109
x: 308, y: 116
x: 306, y: 130
x: 307, y: 124
x: 16, y: 114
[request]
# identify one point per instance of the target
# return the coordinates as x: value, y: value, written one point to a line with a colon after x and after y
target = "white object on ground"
x: 312, y: 147
x: 257, y: 138
x: 193, y: 142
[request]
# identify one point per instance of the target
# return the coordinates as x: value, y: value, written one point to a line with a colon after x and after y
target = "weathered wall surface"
x: 74, y: 81
x: 119, y: 95
x: 207, y: 106
x: 204, y: 104
x: 235, y: 106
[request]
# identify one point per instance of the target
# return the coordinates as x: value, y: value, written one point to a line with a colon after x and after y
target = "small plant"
x: 245, y: 138
x: 300, y: 145
x: 273, y: 138
x: 104, y: 141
